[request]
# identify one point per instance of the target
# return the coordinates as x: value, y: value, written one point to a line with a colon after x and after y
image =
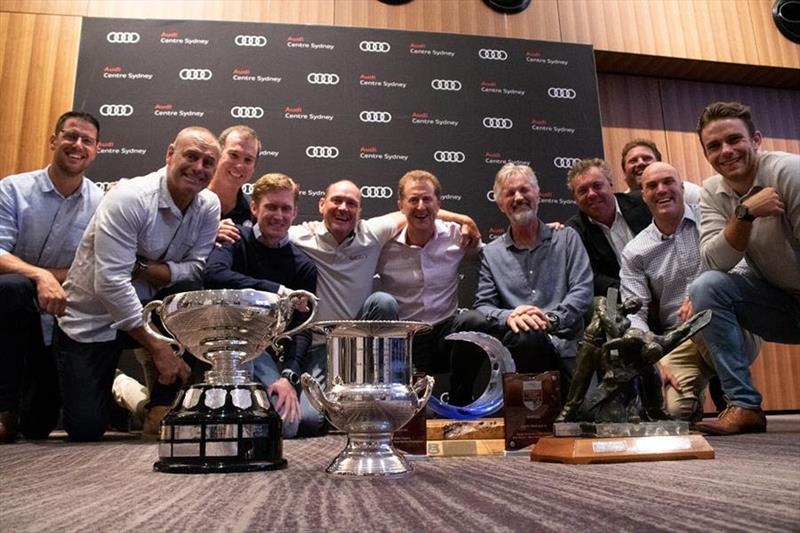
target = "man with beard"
x: 149, y: 237
x: 606, y: 221
x: 42, y: 217
x: 534, y: 287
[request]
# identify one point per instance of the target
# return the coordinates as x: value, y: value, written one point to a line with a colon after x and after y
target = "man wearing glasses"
x: 43, y: 215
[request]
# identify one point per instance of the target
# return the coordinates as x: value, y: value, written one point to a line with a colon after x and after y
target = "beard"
x: 522, y: 216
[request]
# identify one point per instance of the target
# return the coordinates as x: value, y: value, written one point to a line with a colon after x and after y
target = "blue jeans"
x: 740, y: 302
x: 379, y: 306
x: 312, y: 422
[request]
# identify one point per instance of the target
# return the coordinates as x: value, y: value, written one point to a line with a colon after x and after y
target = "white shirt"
x: 424, y: 280
x: 344, y: 271
x: 138, y: 217
x: 618, y: 235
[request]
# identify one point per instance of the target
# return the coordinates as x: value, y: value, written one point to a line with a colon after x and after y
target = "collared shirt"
x: 424, y: 279
x: 345, y: 270
x: 619, y: 234
x: 42, y: 227
x: 138, y: 217
x: 38, y: 224
x: 658, y: 267
x: 773, y: 251
x: 554, y: 276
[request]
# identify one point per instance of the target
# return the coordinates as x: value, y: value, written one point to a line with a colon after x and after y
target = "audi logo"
x: 561, y: 92
x: 116, y: 110
x: 247, y: 188
x: 250, y: 40
x: 375, y: 116
x: 369, y: 191
x: 565, y: 162
x: 490, y: 195
x: 326, y: 152
x: 374, y: 46
x: 197, y: 74
x: 498, y: 123
x: 247, y: 112
x: 489, y: 53
x: 446, y: 85
x: 105, y: 186
x: 444, y: 156
x: 323, y: 78
x: 123, y: 37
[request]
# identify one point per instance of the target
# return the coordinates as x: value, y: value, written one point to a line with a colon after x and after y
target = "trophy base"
x: 221, y: 428
x: 582, y: 450
x: 369, y: 455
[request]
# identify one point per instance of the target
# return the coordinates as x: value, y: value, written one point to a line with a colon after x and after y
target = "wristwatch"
x: 293, y: 378
x: 555, y: 322
x: 139, y: 267
x: 742, y: 213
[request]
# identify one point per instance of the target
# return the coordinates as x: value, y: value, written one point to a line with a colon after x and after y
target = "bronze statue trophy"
x: 226, y: 423
x: 623, y: 419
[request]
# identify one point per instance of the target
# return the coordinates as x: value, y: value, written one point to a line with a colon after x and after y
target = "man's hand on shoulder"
x: 556, y: 226
x: 227, y: 232
x: 49, y: 293
x: 527, y: 318
x: 287, y: 397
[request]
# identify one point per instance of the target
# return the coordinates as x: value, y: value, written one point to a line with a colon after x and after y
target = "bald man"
x: 150, y: 237
x: 657, y: 266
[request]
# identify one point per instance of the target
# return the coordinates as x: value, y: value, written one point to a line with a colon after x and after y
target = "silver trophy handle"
x: 147, y: 314
x: 311, y: 300
x: 316, y: 397
x: 424, y: 385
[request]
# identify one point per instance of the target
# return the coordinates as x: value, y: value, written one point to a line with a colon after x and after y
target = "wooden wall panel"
x: 712, y: 30
x: 630, y: 107
x: 773, y: 48
x: 305, y: 11
x: 539, y: 21
x: 46, y: 7
x: 38, y: 58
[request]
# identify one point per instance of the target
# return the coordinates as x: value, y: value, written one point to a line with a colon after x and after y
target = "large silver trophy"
x: 369, y: 394
x: 226, y: 423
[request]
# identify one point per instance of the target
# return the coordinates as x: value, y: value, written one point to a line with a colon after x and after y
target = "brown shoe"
x: 151, y: 429
x: 8, y: 427
x: 735, y: 420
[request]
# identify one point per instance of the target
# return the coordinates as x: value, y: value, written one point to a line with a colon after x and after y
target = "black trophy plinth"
x: 221, y: 428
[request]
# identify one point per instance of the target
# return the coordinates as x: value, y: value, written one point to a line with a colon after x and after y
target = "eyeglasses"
x: 72, y: 137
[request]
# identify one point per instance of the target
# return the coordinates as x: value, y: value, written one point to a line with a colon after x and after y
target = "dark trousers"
x: 532, y: 352
x: 430, y: 352
x: 28, y: 379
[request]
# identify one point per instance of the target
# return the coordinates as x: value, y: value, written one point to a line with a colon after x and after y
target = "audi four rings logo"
x: 498, y: 123
x: 247, y: 112
x: 123, y: 37
x: 374, y: 46
x: 250, y: 40
x: 326, y: 152
x: 369, y: 191
x: 375, y: 116
x: 445, y: 156
x: 247, y: 188
x: 489, y: 53
x: 116, y: 110
x: 446, y: 85
x: 197, y: 74
x: 490, y: 195
x: 561, y: 92
x: 565, y: 162
x: 323, y: 78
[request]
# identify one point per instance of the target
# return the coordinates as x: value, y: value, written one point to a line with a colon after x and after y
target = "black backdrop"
x: 336, y: 102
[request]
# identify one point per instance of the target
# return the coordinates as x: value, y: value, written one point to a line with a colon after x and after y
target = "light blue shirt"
x: 40, y: 226
x: 554, y: 276
x: 138, y: 217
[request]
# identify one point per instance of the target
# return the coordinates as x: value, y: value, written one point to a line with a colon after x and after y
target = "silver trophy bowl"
x: 369, y: 394
x: 226, y: 423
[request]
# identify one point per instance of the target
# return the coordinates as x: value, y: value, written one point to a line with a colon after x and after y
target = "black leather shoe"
x: 8, y: 427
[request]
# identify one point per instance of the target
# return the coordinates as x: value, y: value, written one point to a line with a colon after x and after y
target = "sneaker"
x: 735, y: 420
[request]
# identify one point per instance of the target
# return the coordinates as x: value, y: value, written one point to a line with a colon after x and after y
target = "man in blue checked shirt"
x: 43, y: 215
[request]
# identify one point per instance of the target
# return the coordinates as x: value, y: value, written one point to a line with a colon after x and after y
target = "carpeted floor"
x: 752, y: 485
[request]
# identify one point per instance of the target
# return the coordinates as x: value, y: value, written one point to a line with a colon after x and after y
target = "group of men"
x: 188, y: 225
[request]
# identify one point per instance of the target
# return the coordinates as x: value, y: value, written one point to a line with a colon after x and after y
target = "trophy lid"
x: 369, y: 328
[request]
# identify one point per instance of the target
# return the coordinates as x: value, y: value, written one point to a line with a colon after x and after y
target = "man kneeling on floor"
x: 264, y: 259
